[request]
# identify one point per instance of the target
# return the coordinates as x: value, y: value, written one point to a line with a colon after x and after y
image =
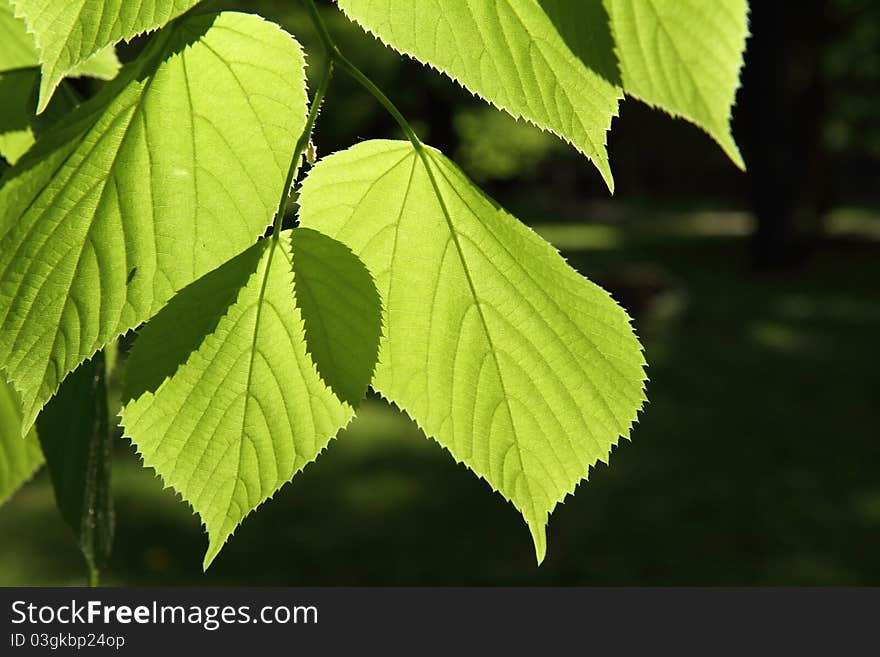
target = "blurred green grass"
x: 755, y: 461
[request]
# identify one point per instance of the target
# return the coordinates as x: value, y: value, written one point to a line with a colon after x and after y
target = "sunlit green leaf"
x: 224, y: 401
x: 142, y: 190
x: 524, y: 370
x: 18, y: 50
x: 19, y: 457
x: 510, y: 53
x: 69, y: 35
x: 564, y: 64
x: 684, y: 56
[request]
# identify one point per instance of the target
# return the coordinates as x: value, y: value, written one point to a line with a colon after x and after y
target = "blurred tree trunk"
x: 783, y: 113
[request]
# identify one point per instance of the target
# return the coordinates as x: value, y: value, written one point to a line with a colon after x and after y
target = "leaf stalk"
x: 301, y: 145
x: 335, y: 55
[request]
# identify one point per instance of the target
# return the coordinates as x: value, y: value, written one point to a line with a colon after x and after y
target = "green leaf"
x: 508, y: 52
x: 225, y: 402
x: 341, y: 310
x: 524, y: 370
x: 684, y: 56
x: 565, y: 64
x: 18, y: 50
x: 19, y: 125
x: 69, y: 34
x: 19, y: 79
x: 142, y: 190
x: 75, y: 435
x: 20, y: 457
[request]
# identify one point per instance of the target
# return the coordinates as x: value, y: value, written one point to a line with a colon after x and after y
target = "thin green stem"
x: 335, y: 55
x: 301, y: 145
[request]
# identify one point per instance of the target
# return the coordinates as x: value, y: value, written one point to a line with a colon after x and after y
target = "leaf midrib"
x: 425, y: 160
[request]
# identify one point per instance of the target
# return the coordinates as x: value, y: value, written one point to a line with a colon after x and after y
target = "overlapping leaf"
x: 173, y: 168
x: 225, y: 402
x: 18, y: 50
x: 564, y: 64
x: 70, y: 34
x: 684, y: 56
x: 19, y: 457
x: 510, y: 53
x: 19, y: 81
x: 527, y: 372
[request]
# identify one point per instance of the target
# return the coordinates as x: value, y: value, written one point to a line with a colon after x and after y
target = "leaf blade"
x: 527, y: 374
x: 509, y: 53
x: 20, y: 457
x: 127, y: 201
x: 246, y: 386
x: 17, y: 48
x: 684, y: 57
x: 69, y: 34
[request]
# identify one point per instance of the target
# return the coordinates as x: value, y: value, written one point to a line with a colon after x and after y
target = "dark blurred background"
x: 757, y: 298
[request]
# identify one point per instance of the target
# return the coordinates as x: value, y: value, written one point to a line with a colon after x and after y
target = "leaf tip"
x: 539, y: 538
x: 212, y: 552
x: 724, y: 138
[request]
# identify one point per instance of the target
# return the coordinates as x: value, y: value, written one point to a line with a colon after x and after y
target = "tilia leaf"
x: 18, y: 50
x: 69, y: 34
x: 19, y: 457
x: 510, y: 53
x: 172, y: 169
x: 684, y: 56
x: 524, y: 370
x: 564, y: 64
x: 225, y: 402
x: 19, y: 84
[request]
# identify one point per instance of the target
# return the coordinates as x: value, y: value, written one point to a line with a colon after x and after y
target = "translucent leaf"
x: 20, y: 457
x: 564, y: 64
x: 510, y: 53
x: 225, y: 402
x: 341, y: 310
x: 20, y: 78
x: 523, y: 369
x: 684, y: 56
x: 18, y: 50
x: 75, y: 436
x: 69, y: 34
x: 142, y: 190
